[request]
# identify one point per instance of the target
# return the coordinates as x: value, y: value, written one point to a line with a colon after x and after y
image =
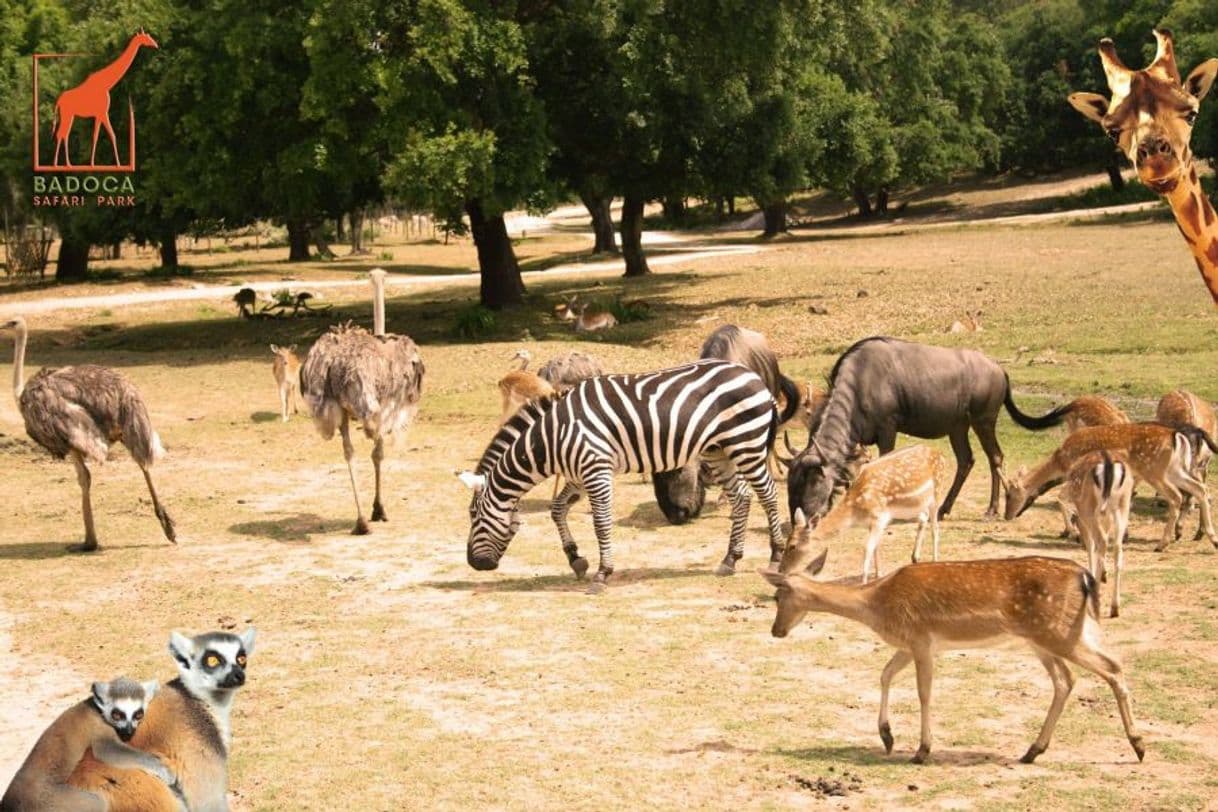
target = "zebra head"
x: 492, y: 524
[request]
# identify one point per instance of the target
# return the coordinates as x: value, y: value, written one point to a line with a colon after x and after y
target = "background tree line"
x: 304, y: 112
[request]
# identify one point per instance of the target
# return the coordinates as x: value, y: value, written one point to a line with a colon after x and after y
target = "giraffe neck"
x: 1198, y: 224
x: 112, y: 73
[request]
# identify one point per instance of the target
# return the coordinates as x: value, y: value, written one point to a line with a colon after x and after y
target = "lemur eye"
x: 212, y: 661
x: 241, y: 660
x: 138, y: 715
x: 117, y: 715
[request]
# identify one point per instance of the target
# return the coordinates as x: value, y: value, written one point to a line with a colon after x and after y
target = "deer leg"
x: 1069, y: 528
x: 873, y: 542
x: 600, y: 495
x: 1169, y: 492
x: 1202, y: 474
x: 283, y: 403
x: 378, y: 454
x: 993, y: 453
x: 361, y: 524
x: 1087, y: 654
x: 162, y: 515
x: 1119, y: 531
x: 560, y: 506
x: 964, y: 464
x: 85, y: 479
x: 923, y: 518
x: 934, y: 532
x: 1063, y: 681
x: 924, y: 663
x: 899, y: 660
x: 1194, y: 487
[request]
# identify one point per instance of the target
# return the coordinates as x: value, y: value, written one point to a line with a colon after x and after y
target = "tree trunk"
x: 298, y: 241
x: 355, y: 221
x: 674, y: 209
x: 860, y: 200
x: 775, y: 218
x: 731, y: 206
x: 632, y: 236
x: 881, y: 202
x: 339, y: 234
x: 602, y: 223
x: 501, y: 282
x: 318, y: 236
x: 169, y: 248
x: 1114, y: 174
x: 73, y: 262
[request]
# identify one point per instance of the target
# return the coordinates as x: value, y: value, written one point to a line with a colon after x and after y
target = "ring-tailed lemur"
x: 101, y: 723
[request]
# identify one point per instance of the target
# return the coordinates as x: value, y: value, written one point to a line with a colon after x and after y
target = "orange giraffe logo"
x: 91, y: 99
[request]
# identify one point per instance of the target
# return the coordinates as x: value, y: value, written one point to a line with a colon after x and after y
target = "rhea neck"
x: 378, y: 297
x: 1198, y: 225
x: 19, y: 359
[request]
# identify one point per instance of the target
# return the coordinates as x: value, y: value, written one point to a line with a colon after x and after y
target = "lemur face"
x: 215, y: 661
x: 122, y: 703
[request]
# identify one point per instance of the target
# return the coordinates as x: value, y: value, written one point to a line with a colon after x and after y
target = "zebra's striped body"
x: 615, y: 424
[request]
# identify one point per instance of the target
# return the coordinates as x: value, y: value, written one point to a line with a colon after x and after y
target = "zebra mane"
x: 518, y: 424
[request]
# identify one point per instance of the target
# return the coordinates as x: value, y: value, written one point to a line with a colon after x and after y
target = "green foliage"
x: 626, y: 312
x: 475, y: 322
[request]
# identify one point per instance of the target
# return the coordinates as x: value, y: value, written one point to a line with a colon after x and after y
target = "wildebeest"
x: 682, y: 493
x: 883, y: 386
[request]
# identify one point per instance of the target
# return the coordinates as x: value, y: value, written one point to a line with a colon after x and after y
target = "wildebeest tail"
x: 1049, y: 420
x: 790, y: 391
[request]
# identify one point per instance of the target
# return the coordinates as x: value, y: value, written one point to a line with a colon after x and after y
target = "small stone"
x: 862, y: 294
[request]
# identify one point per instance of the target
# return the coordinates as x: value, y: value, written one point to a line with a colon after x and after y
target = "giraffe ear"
x: 1201, y: 79
x: 1092, y: 105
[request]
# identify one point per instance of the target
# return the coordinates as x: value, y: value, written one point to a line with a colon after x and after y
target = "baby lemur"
x: 187, y: 726
x: 101, y: 723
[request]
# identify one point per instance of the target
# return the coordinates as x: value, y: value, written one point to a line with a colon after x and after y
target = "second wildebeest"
x: 682, y: 493
x: 882, y: 386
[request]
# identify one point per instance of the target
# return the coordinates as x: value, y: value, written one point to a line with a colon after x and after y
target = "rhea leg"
x: 899, y: 660
x: 378, y: 454
x: 162, y: 515
x: 560, y: 506
x: 361, y: 524
x: 86, y: 506
x: 1063, y: 681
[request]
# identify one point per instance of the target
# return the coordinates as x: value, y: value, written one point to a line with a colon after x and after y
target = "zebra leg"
x: 600, y: 494
x: 767, y: 494
x: 560, y: 506
x: 739, y: 493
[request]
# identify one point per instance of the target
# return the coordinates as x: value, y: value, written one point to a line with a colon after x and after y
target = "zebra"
x: 615, y: 424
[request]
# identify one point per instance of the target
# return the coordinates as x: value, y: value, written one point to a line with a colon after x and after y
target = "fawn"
x: 1100, y: 485
x: 286, y: 369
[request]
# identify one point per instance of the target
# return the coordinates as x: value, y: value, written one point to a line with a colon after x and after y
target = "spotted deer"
x: 1183, y: 408
x: 920, y: 609
x: 286, y: 369
x: 905, y: 485
x: 1092, y: 410
x: 586, y: 322
x: 520, y: 386
x: 1100, y: 486
x: 1159, y: 455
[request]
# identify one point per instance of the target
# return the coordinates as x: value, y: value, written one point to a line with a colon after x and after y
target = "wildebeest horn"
x: 786, y: 438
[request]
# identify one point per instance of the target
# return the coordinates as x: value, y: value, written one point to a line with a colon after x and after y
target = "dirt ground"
x: 389, y: 675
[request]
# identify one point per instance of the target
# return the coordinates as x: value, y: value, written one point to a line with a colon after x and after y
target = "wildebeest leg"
x: 378, y: 454
x: 361, y: 524
x: 886, y: 440
x: 86, y: 506
x: 560, y: 506
x: 599, y: 488
x: 964, y: 464
x: 993, y: 452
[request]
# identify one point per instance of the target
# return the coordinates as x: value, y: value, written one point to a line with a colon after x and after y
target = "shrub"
x: 475, y: 321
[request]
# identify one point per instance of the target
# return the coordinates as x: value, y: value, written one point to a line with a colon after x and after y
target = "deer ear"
x: 1201, y: 79
x: 275, y: 349
x: 818, y: 563
x: 775, y: 578
x: 1092, y: 105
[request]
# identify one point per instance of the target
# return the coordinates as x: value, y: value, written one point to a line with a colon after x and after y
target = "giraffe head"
x: 143, y: 38
x: 1151, y: 113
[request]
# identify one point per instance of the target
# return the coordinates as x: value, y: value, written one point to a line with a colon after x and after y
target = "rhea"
x: 1050, y: 603
x: 79, y: 412
x: 375, y: 379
